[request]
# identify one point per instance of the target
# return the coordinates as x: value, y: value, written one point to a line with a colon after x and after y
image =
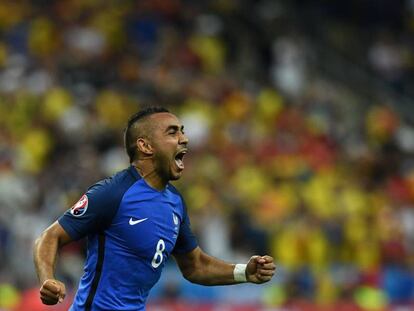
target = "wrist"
x: 239, y: 273
x: 46, y: 278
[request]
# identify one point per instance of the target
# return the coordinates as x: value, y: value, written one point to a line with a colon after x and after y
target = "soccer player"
x: 134, y: 221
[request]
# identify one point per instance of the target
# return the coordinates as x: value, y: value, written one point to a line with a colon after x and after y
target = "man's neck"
x: 148, y: 172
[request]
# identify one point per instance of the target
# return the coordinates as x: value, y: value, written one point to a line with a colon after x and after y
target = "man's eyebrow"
x: 175, y: 127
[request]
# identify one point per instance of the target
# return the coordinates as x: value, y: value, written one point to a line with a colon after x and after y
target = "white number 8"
x: 158, y: 257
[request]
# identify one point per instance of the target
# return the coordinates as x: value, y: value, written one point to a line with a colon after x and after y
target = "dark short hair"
x: 130, y: 137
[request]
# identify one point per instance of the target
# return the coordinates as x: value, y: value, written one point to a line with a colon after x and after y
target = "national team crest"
x: 175, y: 219
x: 80, y: 207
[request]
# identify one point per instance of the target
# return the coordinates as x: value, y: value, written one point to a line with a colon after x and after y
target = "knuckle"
x: 47, y: 282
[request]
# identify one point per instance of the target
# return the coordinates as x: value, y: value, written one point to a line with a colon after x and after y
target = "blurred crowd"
x: 283, y: 160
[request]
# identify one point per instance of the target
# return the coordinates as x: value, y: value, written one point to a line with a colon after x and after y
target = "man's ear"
x: 144, y: 146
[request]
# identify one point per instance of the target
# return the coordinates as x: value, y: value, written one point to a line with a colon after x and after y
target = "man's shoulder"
x: 171, y: 188
x: 174, y: 190
x: 178, y: 196
x: 97, y: 207
x: 114, y: 186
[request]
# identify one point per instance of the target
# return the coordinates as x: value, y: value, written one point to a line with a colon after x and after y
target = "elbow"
x: 189, y: 275
x: 193, y: 266
x: 53, y: 235
x: 39, y: 240
x: 36, y: 243
x: 192, y: 274
x: 195, y: 276
x: 196, y: 279
x: 48, y: 236
x: 36, y: 247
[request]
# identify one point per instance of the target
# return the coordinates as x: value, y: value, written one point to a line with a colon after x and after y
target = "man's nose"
x: 183, y: 139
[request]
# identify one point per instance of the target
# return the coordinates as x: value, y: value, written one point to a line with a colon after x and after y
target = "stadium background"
x: 300, y: 118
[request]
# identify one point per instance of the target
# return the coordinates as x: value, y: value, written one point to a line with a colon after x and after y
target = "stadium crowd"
x: 282, y: 159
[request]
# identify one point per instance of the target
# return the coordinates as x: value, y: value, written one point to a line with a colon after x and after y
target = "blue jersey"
x: 132, y: 229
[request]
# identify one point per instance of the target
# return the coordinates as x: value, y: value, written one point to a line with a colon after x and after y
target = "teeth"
x: 179, y: 159
x: 179, y: 163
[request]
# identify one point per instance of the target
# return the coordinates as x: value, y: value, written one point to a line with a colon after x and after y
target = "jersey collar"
x: 134, y: 172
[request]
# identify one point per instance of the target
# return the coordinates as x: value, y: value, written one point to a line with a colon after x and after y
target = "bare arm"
x: 198, y: 267
x: 44, y: 256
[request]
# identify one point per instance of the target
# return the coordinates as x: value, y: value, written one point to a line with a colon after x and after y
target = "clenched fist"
x: 260, y: 269
x: 52, y: 292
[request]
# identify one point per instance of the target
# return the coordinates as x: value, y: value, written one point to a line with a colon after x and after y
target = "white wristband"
x: 239, y: 272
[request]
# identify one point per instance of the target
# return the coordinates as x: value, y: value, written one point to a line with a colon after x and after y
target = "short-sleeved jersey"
x: 132, y: 229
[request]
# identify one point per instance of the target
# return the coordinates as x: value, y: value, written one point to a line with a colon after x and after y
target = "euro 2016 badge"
x: 80, y: 207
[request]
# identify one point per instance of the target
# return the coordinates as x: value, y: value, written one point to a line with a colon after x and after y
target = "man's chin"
x: 175, y: 175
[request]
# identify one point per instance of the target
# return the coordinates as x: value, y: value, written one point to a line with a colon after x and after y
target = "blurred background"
x: 300, y: 116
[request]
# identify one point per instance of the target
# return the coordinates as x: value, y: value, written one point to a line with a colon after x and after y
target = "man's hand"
x: 52, y: 292
x: 260, y: 269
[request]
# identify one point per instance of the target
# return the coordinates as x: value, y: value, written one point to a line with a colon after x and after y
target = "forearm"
x: 44, y: 255
x: 208, y: 270
x: 45, y: 251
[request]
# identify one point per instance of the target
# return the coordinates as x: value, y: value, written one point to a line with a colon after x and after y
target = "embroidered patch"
x: 80, y: 207
x: 175, y: 219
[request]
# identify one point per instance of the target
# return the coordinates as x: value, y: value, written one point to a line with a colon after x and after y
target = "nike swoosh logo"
x: 134, y: 222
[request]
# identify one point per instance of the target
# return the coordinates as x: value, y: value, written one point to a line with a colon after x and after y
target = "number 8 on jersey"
x: 158, y: 256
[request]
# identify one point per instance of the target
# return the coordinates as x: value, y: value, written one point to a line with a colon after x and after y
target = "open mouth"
x: 179, y: 159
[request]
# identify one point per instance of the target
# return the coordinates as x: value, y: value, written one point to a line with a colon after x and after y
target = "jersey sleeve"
x: 186, y: 240
x: 90, y: 214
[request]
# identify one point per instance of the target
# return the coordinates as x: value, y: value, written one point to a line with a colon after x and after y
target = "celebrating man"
x: 133, y: 221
